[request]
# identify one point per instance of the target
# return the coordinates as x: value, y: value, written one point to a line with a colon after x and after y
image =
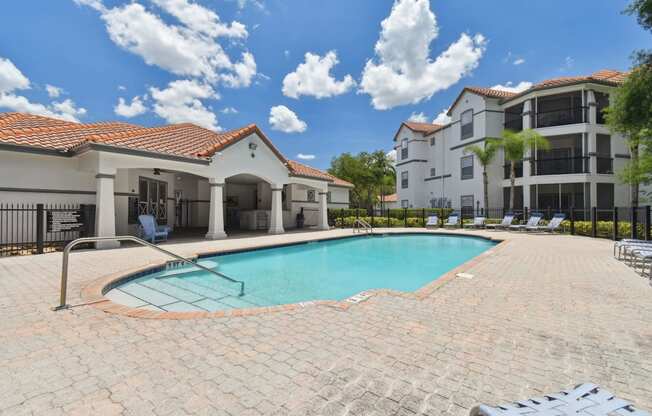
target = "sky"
x: 318, y: 77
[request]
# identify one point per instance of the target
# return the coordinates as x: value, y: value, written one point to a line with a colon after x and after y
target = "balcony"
x: 605, y: 165
x: 515, y: 124
x: 560, y: 166
x: 518, y: 168
x: 562, y: 117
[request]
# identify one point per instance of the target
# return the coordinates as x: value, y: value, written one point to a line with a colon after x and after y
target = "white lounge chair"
x: 625, y: 246
x: 453, y: 221
x: 506, y: 222
x: 534, y: 220
x: 552, y: 226
x: 433, y: 221
x: 478, y: 222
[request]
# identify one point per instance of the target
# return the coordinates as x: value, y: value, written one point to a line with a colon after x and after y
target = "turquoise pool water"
x: 324, y: 270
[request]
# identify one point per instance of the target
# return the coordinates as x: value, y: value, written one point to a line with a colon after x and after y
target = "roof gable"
x: 481, y: 91
x: 421, y: 128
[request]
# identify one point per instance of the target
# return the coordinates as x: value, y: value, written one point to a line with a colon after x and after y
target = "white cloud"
x: 510, y: 87
x: 229, y: 110
x: 53, y: 92
x: 257, y: 3
x: 283, y: 119
x: 189, y: 49
x: 418, y: 117
x: 122, y: 88
x: 181, y: 102
x: 519, y: 61
x: 305, y: 157
x: 286, y: 53
x: 391, y: 155
x: 404, y: 72
x: 133, y: 109
x: 313, y: 78
x: 442, y: 118
x: 12, y: 79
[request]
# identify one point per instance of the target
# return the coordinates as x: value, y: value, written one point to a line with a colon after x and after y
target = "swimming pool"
x: 322, y: 270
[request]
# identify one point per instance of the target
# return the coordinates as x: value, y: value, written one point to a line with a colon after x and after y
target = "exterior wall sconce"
x: 253, y: 147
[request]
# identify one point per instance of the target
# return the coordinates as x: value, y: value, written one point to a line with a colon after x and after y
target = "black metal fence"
x: 614, y: 223
x: 40, y: 228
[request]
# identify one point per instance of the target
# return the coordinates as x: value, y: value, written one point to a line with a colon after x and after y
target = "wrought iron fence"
x: 614, y: 223
x: 40, y: 228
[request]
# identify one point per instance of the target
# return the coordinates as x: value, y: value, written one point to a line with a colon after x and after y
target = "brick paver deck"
x: 543, y: 313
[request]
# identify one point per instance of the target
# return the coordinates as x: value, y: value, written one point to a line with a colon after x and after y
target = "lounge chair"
x: 153, y: 232
x: 433, y: 221
x: 552, y: 226
x: 453, y: 221
x: 641, y: 256
x: 626, y: 246
x: 478, y: 222
x: 534, y: 220
x: 506, y: 222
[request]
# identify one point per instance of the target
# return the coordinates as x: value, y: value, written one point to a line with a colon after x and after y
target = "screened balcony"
x: 559, y: 110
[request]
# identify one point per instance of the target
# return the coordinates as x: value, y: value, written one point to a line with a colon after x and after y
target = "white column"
x: 527, y: 156
x: 593, y: 109
x: 323, y: 211
x: 105, y: 209
x: 216, y: 211
x: 276, y: 220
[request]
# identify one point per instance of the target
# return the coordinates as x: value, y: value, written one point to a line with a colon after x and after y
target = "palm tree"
x: 485, y: 155
x: 384, y: 171
x: 514, y: 146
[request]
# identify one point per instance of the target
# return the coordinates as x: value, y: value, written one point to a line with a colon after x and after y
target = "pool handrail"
x: 362, y: 224
x: 73, y: 243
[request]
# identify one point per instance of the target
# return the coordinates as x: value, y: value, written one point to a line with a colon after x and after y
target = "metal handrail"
x: 69, y: 246
x: 364, y: 224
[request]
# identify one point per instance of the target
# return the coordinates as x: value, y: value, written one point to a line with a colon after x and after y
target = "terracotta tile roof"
x: 388, y: 198
x: 423, y: 128
x: 299, y: 169
x: 604, y: 76
x: 490, y: 92
x: 185, y: 140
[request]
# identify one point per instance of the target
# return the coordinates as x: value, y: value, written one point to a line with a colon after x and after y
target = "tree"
x: 485, y: 154
x: 514, y: 146
x: 370, y: 173
x: 630, y: 114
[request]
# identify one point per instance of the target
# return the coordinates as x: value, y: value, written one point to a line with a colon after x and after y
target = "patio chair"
x: 478, y: 222
x: 153, y: 232
x: 534, y: 220
x: 585, y: 399
x: 505, y: 223
x: 453, y: 221
x: 433, y: 221
x: 626, y: 244
x: 641, y: 256
x: 552, y: 226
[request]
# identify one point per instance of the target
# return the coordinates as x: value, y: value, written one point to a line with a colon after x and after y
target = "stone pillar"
x: 276, y: 219
x: 216, y: 211
x: 105, y: 209
x: 323, y: 211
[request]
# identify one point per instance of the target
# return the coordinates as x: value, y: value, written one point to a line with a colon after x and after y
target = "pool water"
x: 324, y: 270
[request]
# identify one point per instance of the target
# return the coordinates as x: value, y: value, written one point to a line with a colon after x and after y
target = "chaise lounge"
x: 478, y: 222
x: 505, y: 223
x: 453, y: 221
x: 534, y: 220
x: 433, y: 221
x: 552, y: 226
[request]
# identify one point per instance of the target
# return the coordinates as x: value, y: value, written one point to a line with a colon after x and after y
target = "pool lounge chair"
x: 534, y: 220
x: 625, y: 245
x: 552, y: 226
x: 433, y: 221
x: 453, y: 221
x: 153, y: 232
x: 641, y: 256
x: 506, y: 222
x: 478, y: 222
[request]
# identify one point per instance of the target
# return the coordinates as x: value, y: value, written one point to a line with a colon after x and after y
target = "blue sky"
x: 179, y: 56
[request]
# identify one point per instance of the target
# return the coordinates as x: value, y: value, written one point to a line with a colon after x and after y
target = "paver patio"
x: 540, y: 314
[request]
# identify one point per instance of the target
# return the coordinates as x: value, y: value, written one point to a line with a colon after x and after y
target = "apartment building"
x: 434, y: 170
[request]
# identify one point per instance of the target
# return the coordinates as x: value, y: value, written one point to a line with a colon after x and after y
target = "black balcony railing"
x: 561, y: 117
x: 560, y: 166
x: 514, y: 125
x: 605, y: 165
x: 518, y: 168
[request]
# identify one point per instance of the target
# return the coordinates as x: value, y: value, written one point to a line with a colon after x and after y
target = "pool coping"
x: 93, y: 293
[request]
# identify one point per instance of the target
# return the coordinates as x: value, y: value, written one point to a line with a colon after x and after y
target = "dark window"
x: 405, y: 203
x: 152, y: 198
x: 602, y: 102
x: 404, y: 180
x: 432, y: 141
x: 433, y: 172
x: 514, y: 117
x: 561, y: 109
x: 404, y: 149
x: 466, y: 122
x: 466, y: 205
x: 329, y: 197
x: 466, y: 164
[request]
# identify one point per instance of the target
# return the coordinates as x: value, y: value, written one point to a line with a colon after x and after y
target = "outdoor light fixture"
x: 253, y: 147
x: 157, y: 172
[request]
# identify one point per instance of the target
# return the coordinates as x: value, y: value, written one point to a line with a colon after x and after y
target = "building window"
x: 405, y: 203
x: 433, y: 172
x: 329, y: 197
x: 152, y: 198
x: 466, y: 123
x: 404, y: 149
x: 404, y: 180
x: 467, y: 167
x: 602, y: 102
x: 432, y: 141
x: 466, y: 205
x: 311, y: 195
